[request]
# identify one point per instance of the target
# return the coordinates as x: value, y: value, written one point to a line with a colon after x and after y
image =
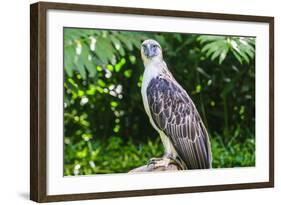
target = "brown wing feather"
x: 175, y: 114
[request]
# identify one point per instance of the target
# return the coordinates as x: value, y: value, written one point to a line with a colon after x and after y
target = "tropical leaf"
x: 69, y: 54
x: 218, y: 47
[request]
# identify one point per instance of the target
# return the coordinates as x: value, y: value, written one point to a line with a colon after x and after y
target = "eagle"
x: 172, y: 114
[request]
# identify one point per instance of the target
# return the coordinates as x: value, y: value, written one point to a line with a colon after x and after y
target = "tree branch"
x: 152, y: 168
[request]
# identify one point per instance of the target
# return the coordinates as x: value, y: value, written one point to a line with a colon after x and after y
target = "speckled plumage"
x: 173, y: 114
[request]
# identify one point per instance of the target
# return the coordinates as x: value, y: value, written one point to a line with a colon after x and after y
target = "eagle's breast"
x: 150, y: 73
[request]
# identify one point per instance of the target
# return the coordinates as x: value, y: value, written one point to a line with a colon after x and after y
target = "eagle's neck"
x: 155, y: 67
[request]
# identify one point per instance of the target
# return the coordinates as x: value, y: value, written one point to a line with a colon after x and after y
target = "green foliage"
x: 86, y: 49
x: 218, y: 47
x: 113, y: 155
x: 232, y: 153
x: 106, y: 129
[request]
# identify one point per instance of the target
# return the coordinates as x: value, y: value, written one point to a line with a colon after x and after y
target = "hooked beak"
x: 147, y: 51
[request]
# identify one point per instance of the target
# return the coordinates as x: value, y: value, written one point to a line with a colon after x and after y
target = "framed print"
x: 134, y: 102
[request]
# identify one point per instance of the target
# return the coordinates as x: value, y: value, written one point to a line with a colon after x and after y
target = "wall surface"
x: 14, y: 103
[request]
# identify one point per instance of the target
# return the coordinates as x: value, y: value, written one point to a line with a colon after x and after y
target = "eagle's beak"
x: 147, y: 51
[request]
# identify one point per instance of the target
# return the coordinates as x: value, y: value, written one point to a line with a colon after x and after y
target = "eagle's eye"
x: 154, y: 46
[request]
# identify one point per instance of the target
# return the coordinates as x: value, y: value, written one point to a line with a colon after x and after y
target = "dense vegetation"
x: 106, y: 129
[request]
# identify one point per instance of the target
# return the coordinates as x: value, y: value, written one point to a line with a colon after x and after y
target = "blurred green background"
x: 106, y: 129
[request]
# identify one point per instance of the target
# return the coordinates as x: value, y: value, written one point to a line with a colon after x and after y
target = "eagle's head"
x: 151, y: 50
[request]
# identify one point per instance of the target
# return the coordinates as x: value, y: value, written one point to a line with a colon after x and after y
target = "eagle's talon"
x: 153, y: 161
x: 159, y: 162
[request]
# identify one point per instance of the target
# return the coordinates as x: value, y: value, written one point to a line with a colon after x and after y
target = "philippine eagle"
x: 172, y: 113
